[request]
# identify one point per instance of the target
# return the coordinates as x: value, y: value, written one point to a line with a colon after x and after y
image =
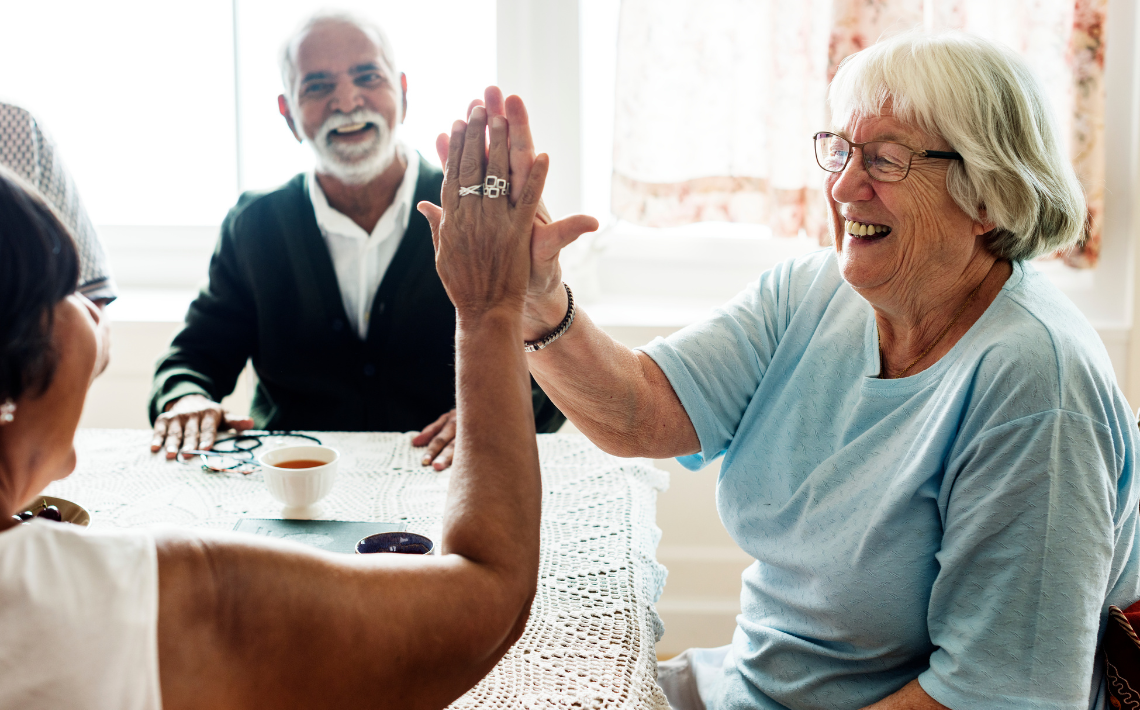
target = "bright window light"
x: 140, y: 95
x: 139, y: 98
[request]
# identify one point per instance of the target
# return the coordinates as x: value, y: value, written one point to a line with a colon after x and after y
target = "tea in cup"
x: 299, y: 477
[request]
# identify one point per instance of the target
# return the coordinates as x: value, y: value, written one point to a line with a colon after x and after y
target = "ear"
x: 982, y: 224
x: 283, y: 107
x: 404, y: 95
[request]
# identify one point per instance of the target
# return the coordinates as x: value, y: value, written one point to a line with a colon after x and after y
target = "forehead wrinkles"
x: 866, y: 128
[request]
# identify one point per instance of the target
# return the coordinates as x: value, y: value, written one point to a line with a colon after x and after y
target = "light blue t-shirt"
x: 967, y: 526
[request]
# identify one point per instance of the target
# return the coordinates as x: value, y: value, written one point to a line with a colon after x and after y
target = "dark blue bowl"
x: 402, y: 542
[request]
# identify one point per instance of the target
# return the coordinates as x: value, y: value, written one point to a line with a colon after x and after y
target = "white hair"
x: 285, y: 57
x: 983, y: 100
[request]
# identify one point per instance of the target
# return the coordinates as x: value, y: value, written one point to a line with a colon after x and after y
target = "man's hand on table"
x: 439, y: 437
x: 192, y: 422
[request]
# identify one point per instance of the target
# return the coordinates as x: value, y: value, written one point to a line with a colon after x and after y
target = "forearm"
x: 272, y: 624
x: 617, y: 397
x: 205, y: 358
x: 495, y: 493
x: 910, y: 697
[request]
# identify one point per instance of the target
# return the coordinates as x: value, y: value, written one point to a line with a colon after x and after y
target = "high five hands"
x: 482, y: 240
x: 475, y: 235
x: 545, y: 298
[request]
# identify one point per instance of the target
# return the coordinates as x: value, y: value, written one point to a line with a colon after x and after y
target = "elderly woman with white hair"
x: 925, y: 449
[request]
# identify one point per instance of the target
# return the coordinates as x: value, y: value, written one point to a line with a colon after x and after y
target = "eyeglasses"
x: 238, y: 456
x: 885, y: 161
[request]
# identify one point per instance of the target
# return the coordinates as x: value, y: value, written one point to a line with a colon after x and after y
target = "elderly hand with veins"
x: 546, y: 299
x: 548, y: 237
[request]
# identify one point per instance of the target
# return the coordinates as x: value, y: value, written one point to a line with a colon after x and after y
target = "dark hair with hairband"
x: 39, y: 267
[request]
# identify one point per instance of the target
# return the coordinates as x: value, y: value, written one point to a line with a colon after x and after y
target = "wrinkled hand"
x: 192, y: 422
x: 482, y: 244
x: 546, y: 300
x: 439, y: 437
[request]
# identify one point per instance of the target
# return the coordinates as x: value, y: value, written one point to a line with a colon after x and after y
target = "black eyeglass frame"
x: 940, y: 154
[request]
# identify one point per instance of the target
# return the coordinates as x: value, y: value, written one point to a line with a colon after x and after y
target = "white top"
x: 361, y: 259
x: 79, y: 613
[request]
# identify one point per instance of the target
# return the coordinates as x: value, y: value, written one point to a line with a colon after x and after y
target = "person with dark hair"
x: 35, y: 273
x: 176, y: 619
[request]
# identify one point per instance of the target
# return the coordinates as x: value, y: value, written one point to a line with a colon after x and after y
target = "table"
x: 590, y: 640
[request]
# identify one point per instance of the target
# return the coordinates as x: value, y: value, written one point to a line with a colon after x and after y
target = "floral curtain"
x: 716, y: 101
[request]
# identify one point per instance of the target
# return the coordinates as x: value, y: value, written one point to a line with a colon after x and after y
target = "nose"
x: 854, y: 183
x: 347, y: 96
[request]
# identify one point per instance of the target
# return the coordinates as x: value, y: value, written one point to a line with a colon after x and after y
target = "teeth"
x: 862, y: 230
x: 351, y: 129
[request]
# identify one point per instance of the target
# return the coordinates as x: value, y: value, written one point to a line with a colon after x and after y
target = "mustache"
x: 360, y: 115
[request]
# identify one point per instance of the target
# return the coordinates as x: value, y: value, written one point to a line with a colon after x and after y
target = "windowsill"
x: 159, y: 305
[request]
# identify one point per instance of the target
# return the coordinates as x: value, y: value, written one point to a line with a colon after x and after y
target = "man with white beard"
x: 327, y: 283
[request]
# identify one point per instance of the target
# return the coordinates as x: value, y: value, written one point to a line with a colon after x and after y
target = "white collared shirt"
x: 360, y: 260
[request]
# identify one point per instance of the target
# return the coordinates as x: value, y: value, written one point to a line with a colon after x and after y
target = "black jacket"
x: 273, y: 297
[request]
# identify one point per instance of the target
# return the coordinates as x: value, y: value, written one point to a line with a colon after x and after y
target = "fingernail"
x: 480, y: 109
x: 498, y: 122
x: 427, y: 460
x: 458, y: 127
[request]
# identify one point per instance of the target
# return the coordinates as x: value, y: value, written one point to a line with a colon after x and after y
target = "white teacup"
x: 300, y: 487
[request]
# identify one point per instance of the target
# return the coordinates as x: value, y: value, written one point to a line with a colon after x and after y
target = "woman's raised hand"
x: 482, y: 241
x: 546, y: 299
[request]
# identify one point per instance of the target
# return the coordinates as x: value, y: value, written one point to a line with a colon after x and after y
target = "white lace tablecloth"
x: 590, y: 640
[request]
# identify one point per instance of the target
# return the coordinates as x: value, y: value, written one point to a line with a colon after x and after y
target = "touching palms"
x: 548, y: 237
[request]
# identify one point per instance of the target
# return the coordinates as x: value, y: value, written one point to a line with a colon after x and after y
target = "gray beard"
x: 354, y: 164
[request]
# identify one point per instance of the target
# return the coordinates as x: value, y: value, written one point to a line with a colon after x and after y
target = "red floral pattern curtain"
x: 716, y: 100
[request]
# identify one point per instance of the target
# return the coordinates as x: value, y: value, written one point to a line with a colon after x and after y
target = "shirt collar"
x: 393, y: 221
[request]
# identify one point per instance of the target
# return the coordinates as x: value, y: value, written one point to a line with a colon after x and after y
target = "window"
x: 164, y: 113
x: 640, y: 276
x: 138, y: 96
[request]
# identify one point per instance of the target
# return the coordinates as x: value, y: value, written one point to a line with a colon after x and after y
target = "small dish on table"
x: 68, y: 512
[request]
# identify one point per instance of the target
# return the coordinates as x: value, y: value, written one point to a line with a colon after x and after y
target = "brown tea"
x: 300, y: 463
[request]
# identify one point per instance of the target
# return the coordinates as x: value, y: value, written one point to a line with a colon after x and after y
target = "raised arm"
x: 616, y: 396
x: 248, y: 623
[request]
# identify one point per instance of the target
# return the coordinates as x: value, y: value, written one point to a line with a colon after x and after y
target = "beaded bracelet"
x: 531, y: 346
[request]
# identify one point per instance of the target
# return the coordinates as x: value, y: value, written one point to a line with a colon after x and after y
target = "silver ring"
x: 495, y: 186
x: 473, y: 190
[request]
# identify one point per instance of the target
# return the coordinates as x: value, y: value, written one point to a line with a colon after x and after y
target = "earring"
x: 7, y: 411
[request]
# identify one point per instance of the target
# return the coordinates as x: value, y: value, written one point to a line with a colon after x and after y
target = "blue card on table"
x: 331, y: 535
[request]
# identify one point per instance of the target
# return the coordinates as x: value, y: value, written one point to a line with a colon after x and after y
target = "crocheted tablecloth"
x: 590, y: 640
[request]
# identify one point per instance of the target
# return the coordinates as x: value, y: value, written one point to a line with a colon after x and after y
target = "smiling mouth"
x: 866, y: 230
x: 352, y: 129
